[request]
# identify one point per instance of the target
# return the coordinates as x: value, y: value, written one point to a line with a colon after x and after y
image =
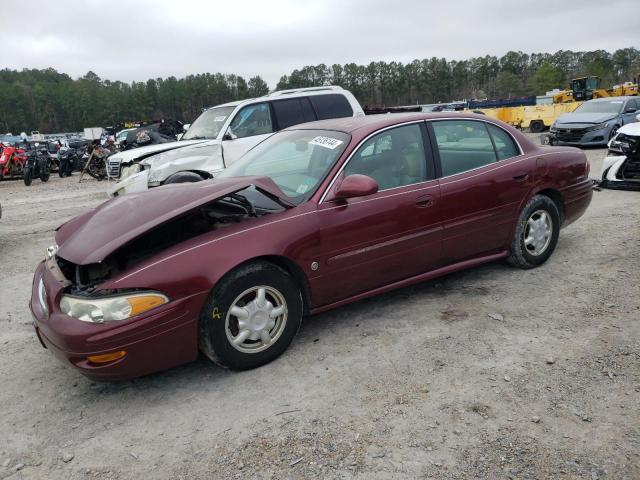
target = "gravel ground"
x: 490, y: 373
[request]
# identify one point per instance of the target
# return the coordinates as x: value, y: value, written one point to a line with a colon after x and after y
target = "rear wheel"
x: 251, y: 316
x: 536, y: 233
x: 536, y: 126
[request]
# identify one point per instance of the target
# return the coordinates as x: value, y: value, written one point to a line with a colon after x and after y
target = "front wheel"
x: 536, y: 233
x: 28, y: 176
x: 251, y: 316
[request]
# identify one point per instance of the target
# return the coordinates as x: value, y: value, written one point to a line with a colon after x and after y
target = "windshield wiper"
x: 245, y: 202
x: 196, y: 138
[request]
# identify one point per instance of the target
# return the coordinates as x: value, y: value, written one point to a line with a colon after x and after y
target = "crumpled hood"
x: 127, y: 156
x: 94, y: 235
x: 205, y: 156
x: 593, y: 118
x: 632, y: 129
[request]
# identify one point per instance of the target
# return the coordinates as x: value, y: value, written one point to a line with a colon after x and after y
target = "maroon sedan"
x: 314, y: 217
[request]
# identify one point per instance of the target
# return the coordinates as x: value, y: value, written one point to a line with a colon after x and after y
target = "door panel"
x: 481, y: 195
x: 373, y: 241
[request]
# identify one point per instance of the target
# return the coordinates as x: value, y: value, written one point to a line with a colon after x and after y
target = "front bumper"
x: 579, y: 137
x: 162, y: 338
x: 138, y: 182
x: 620, y: 172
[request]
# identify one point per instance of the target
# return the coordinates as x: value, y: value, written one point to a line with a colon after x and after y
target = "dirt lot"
x: 490, y: 373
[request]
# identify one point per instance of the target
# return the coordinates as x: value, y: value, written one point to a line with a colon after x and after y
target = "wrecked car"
x: 621, y: 167
x: 222, y: 134
x: 315, y: 217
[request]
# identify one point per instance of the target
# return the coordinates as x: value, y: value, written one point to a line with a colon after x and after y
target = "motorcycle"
x: 96, y: 162
x: 69, y: 161
x: 12, y: 161
x: 38, y: 165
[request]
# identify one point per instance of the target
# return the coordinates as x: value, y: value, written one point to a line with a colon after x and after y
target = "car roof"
x: 374, y: 122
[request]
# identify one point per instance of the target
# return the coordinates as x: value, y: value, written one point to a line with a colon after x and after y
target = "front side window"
x: 296, y: 160
x: 393, y: 158
x: 252, y: 120
x: 463, y: 145
x: 505, y: 145
x: 208, y: 125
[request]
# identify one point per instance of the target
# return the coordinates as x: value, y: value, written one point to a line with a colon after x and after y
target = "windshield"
x: 296, y: 160
x: 613, y: 106
x: 208, y: 124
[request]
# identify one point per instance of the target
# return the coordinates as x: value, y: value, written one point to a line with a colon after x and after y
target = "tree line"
x: 50, y: 101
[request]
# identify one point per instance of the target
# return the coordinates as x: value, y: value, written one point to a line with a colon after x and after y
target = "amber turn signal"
x: 106, y: 357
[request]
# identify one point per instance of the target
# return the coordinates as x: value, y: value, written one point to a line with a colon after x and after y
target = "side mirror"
x: 229, y: 136
x: 355, y: 185
x: 630, y: 110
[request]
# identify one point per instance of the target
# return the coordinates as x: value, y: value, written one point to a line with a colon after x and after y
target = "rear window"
x: 332, y: 105
x: 293, y: 112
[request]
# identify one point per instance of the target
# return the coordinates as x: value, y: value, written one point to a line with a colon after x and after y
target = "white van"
x: 222, y: 134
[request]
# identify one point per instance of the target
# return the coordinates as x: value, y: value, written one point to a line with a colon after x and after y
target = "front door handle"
x: 521, y: 177
x: 425, y: 201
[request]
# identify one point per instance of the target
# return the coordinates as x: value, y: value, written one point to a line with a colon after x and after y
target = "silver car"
x: 594, y: 122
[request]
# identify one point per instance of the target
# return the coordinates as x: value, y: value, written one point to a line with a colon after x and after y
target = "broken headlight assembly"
x: 130, y: 170
x: 110, y: 309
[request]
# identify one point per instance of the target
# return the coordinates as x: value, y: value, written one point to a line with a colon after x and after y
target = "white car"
x: 621, y: 167
x: 222, y: 134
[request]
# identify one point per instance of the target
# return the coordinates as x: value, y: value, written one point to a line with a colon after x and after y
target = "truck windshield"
x: 612, y: 106
x: 296, y: 160
x: 208, y: 124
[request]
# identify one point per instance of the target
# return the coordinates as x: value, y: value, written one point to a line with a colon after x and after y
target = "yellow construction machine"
x: 585, y: 88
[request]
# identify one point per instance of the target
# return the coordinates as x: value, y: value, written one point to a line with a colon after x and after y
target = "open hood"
x: 127, y: 156
x: 94, y: 235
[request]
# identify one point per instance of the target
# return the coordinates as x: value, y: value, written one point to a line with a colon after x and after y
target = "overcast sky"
x: 141, y: 39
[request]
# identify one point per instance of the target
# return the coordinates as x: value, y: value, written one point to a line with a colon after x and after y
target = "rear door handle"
x: 521, y: 177
x: 425, y: 201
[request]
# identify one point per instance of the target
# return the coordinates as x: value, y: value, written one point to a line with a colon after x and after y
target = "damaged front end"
x: 621, y: 167
x: 123, y: 232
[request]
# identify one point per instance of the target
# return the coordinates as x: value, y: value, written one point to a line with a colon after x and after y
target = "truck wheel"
x: 536, y: 233
x: 183, y: 177
x: 251, y: 316
x: 536, y: 126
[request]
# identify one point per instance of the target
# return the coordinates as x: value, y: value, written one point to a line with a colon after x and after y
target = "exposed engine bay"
x: 230, y: 210
x: 621, y: 167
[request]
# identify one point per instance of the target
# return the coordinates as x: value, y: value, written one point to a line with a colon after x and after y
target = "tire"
x: 239, y: 289
x: 183, y: 177
x: 542, y: 211
x: 46, y: 173
x: 62, y: 169
x: 536, y: 126
x: 613, y: 132
x: 28, y: 176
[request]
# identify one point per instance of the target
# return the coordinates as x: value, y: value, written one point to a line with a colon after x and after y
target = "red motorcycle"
x: 12, y: 162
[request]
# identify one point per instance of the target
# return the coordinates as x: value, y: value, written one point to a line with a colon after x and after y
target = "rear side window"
x: 293, y: 112
x: 463, y: 145
x: 332, y: 105
x: 505, y: 146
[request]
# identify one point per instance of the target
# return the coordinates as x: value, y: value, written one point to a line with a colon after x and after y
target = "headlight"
x: 130, y: 170
x: 597, y: 127
x: 110, y: 309
x: 42, y: 296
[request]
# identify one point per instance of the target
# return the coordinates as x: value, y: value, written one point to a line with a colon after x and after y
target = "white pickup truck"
x: 222, y: 134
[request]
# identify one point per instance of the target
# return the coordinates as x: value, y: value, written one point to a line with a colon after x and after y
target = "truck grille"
x: 570, y: 134
x: 113, y: 169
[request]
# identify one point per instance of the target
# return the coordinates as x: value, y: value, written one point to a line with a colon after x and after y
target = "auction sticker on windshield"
x: 326, y: 142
